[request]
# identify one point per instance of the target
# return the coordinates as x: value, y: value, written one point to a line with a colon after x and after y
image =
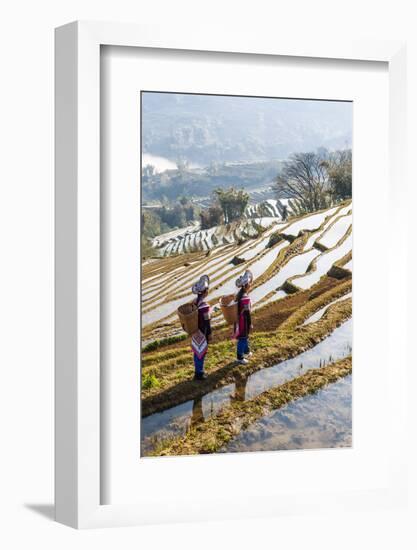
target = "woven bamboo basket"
x: 188, y: 316
x: 229, y: 308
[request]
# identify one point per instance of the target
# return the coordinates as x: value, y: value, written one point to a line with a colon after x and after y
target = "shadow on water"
x: 176, y: 421
x: 187, y: 387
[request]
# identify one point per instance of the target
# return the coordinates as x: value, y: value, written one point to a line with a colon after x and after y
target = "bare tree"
x: 339, y: 169
x: 304, y: 179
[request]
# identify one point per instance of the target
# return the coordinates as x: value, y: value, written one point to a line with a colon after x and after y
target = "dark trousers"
x: 242, y: 347
x: 198, y: 364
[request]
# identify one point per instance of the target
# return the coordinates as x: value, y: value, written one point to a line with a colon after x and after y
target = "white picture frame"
x: 77, y: 242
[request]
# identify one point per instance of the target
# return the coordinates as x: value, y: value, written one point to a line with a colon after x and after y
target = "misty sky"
x: 204, y: 128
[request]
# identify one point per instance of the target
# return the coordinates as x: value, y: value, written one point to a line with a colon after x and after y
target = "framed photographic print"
x: 246, y: 273
x: 217, y: 354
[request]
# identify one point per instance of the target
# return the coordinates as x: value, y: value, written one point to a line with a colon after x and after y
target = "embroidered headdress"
x: 201, y: 285
x: 244, y: 279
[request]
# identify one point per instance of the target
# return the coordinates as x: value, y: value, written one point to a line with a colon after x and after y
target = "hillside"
x: 302, y: 323
x: 257, y: 218
x: 300, y: 246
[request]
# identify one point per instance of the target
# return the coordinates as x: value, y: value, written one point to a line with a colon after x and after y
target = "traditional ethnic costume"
x: 199, y: 340
x: 244, y: 323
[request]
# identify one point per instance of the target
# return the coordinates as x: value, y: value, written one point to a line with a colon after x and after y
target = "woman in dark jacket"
x: 201, y: 339
x: 244, y: 322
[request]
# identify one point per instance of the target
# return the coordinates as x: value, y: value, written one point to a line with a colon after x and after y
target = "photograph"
x: 181, y: 318
x: 246, y: 273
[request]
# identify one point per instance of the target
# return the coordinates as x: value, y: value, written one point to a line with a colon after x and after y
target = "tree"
x: 146, y: 248
x: 151, y: 223
x: 304, y: 179
x: 232, y: 202
x: 174, y: 217
x: 339, y: 169
x: 211, y: 216
x: 190, y: 209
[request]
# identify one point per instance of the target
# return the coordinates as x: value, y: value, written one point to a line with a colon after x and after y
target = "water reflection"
x: 197, y: 415
x: 318, y: 421
x: 175, y: 421
x: 240, y: 388
x: 334, y: 347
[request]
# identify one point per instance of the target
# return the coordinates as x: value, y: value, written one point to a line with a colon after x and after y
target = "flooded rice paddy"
x: 175, y: 421
x: 319, y: 421
x: 308, y: 223
x: 323, y: 264
x: 317, y: 234
x: 319, y: 314
x: 157, y: 305
x: 295, y: 266
x: 277, y: 295
x: 336, y: 232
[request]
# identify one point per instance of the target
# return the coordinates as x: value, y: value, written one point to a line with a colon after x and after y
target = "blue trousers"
x: 242, y: 347
x: 198, y: 364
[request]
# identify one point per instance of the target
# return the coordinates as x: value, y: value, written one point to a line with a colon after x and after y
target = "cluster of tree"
x: 227, y: 205
x: 339, y: 169
x: 152, y: 223
x: 176, y: 216
x: 146, y: 247
x: 211, y: 216
x: 316, y: 180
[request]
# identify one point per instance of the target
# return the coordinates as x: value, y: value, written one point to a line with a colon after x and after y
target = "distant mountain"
x: 203, y: 129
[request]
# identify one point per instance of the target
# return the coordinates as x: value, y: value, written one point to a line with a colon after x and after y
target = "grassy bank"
x: 172, y: 372
x: 212, y: 435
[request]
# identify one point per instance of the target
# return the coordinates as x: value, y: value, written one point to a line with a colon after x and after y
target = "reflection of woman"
x: 240, y: 388
x: 244, y: 321
x: 197, y: 415
x: 200, y: 340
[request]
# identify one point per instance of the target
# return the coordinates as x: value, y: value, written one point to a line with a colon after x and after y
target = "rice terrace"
x: 275, y: 219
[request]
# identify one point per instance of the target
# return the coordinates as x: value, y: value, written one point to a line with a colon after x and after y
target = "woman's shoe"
x: 242, y: 361
x: 200, y: 376
x: 249, y: 354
